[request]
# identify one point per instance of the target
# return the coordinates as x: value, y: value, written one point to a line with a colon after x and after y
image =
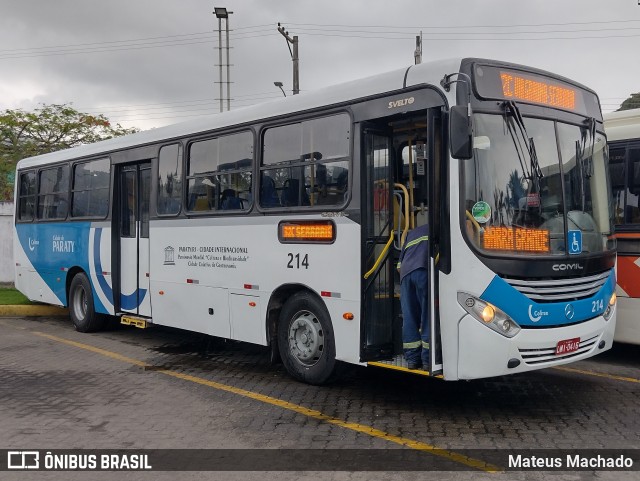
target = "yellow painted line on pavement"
x: 597, y: 374
x: 312, y: 413
x: 97, y: 350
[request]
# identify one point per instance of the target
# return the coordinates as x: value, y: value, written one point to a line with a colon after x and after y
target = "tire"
x: 81, y: 307
x: 305, y: 339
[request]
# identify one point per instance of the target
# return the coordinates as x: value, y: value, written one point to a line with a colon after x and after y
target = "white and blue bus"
x: 281, y: 224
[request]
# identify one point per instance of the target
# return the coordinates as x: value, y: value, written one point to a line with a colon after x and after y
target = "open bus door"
x: 132, y: 221
x: 379, y: 303
x: 402, y: 163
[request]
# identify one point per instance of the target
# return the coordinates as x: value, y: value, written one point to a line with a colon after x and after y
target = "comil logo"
x: 23, y: 460
x: 567, y: 267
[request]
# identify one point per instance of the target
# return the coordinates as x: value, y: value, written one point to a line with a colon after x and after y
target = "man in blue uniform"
x: 413, y: 266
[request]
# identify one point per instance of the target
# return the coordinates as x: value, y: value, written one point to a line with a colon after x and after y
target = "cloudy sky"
x: 148, y: 63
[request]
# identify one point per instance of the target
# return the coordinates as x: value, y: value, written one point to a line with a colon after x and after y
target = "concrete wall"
x: 6, y: 242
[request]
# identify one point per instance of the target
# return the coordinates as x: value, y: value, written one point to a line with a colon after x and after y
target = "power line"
x: 136, y: 39
x: 101, y: 50
x: 408, y: 37
x: 246, y: 33
x: 103, y: 43
x: 447, y: 39
x: 202, y: 40
x: 464, y: 26
x: 158, y: 104
x: 386, y: 32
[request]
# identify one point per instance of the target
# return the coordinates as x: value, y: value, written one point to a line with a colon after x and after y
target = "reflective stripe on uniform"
x: 411, y: 345
x: 425, y: 345
x: 416, y: 241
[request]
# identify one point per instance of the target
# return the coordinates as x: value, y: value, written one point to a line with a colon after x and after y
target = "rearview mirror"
x: 460, y: 132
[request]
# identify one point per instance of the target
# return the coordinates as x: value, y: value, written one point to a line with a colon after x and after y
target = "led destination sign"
x: 539, y: 92
x: 499, y: 83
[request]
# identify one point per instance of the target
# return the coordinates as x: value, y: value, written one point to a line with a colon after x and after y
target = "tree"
x: 47, y: 129
x: 633, y: 102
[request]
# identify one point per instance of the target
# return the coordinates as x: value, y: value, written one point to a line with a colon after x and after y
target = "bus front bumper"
x: 485, y: 353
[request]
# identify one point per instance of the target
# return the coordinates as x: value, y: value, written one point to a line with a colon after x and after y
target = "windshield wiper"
x: 591, y: 125
x: 511, y: 111
x: 580, y: 165
x: 584, y: 156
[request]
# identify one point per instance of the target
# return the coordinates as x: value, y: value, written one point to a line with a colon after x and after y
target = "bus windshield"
x: 530, y: 185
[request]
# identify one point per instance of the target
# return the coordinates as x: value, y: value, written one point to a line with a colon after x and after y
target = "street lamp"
x: 279, y: 85
x: 221, y: 12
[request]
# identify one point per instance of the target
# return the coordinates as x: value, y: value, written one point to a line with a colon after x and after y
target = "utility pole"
x: 294, y: 57
x: 223, y: 13
x: 417, y: 54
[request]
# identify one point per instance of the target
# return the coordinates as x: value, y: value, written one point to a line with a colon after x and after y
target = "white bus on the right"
x: 623, y: 136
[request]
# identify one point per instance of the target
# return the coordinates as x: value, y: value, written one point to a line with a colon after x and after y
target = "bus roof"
x: 622, y: 125
x: 426, y: 73
x: 430, y: 73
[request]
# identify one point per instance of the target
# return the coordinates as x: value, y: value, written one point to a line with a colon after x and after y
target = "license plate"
x: 568, y: 345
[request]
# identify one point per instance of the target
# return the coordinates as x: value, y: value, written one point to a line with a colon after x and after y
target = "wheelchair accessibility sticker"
x: 575, y: 241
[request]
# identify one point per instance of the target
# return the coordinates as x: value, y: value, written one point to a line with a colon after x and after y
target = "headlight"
x: 609, y: 311
x: 488, y: 314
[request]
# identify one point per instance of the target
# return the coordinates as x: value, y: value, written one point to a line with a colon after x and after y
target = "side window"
x: 27, y: 196
x: 306, y: 164
x: 633, y: 192
x: 53, y: 192
x: 617, y: 173
x: 90, y: 195
x: 170, y: 180
x: 624, y: 170
x: 219, y: 173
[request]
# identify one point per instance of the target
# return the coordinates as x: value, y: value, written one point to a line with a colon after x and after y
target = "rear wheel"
x: 81, y: 307
x: 305, y: 339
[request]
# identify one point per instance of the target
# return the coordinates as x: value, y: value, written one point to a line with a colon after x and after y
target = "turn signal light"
x: 488, y: 313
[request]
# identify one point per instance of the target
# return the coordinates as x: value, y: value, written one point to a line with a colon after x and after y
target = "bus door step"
x: 139, y: 322
x: 400, y: 364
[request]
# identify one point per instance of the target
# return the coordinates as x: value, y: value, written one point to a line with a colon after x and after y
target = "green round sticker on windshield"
x: 481, y: 212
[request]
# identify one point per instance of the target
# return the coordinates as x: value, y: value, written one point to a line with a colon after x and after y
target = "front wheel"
x: 81, y: 307
x: 305, y: 339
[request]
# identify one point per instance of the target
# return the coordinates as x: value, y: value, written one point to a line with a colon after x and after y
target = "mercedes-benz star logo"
x: 569, y: 311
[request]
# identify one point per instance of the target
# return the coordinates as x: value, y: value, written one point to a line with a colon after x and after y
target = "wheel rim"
x: 306, y: 338
x: 80, y: 303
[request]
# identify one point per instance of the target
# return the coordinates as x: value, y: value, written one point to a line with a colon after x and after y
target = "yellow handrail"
x: 475, y: 224
x: 390, y: 241
x: 406, y: 212
x: 471, y: 218
x: 381, y: 256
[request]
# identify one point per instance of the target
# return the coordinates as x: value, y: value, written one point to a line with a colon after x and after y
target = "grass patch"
x: 11, y: 297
